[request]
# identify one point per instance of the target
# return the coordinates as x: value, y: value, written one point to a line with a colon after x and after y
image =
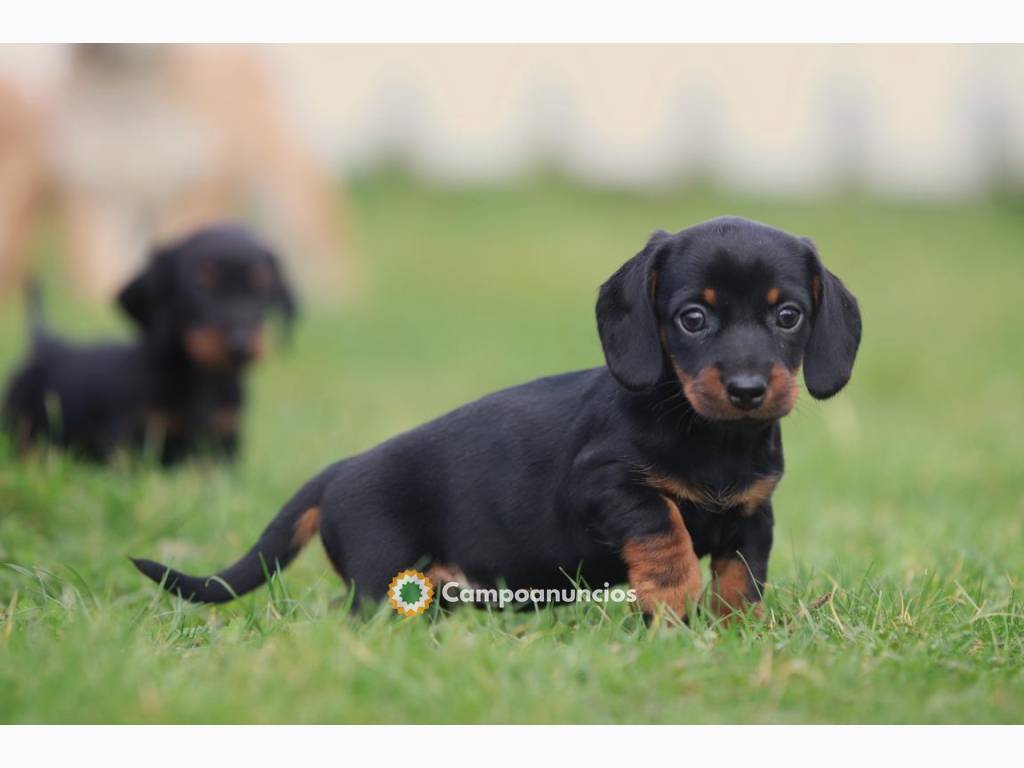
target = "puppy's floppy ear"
x: 626, y: 319
x: 283, y: 297
x: 835, y: 333
x: 139, y: 297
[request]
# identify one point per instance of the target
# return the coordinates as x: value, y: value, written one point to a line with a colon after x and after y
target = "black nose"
x: 746, y: 391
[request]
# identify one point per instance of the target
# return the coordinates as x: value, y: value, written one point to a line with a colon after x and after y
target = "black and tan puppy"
x: 199, y: 306
x: 627, y: 472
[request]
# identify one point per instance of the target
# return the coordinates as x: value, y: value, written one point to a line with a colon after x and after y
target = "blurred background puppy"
x: 177, y: 390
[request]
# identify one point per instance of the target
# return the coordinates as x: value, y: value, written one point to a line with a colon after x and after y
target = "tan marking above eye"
x: 262, y: 277
x: 773, y: 296
x: 710, y: 297
x: 208, y: 275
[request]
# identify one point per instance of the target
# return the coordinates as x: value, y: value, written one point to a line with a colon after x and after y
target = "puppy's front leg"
x: 224, y: 423
x: 662, y: 565
x: 740, y: 566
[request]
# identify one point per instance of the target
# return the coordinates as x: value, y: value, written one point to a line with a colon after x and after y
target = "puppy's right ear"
x: 283, y: 296
x: 835, y: 334
x: 138, y: 298
x: 626, y: 319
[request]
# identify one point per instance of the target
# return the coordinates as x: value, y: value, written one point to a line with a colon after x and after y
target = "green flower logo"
x: 411, y: 593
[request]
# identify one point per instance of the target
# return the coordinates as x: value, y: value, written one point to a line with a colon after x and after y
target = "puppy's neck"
x: 175, y: 376
x: 665, y: 411
x: 676, y: 443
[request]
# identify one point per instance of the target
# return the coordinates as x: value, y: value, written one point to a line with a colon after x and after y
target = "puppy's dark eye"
x: 788, y: 317
x: 693, y: 320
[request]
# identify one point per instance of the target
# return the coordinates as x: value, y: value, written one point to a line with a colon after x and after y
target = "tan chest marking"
x: 748, y: 500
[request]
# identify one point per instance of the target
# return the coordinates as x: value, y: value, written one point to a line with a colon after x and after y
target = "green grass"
x: 895, y: 583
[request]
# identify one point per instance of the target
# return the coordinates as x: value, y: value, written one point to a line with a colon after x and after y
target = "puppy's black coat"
x: 199, y: 308
x: 627, y: 472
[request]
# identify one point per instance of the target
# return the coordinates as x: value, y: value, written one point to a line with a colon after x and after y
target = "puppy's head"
x: 731, y: 309
x: 212, y: 292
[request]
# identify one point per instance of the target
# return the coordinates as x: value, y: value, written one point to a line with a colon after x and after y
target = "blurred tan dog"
x: 146, y: 143
x: 22, y: 178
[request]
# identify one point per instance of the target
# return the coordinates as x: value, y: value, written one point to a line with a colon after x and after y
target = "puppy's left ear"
x: 835, y: 333
x: 139, y: 297
x: 626, y: 319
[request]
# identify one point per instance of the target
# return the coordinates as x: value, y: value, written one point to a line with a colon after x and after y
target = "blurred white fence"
x: 917, y: 121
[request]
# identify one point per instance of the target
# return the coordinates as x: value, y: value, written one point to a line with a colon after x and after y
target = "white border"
x: 623, y: 747
x: 521, y: 21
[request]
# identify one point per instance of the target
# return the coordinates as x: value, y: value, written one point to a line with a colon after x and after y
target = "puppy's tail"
x: 296, y: 523
x: 34, y: 317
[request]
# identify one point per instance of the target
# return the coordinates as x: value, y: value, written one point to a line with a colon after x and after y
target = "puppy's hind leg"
x: 365, y: 543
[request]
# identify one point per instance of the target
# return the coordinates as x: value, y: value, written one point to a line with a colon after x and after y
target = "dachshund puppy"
x: 199, y: 307
x: 627, y: 472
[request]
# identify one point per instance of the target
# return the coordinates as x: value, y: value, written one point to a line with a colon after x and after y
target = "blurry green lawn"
x: 895, y: 583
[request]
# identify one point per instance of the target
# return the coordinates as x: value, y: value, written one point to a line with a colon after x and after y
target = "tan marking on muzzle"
x: 206, y: 347
x: 706, y: 393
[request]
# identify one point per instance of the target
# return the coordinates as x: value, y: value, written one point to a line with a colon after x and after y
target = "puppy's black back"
x: 46, y: 398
